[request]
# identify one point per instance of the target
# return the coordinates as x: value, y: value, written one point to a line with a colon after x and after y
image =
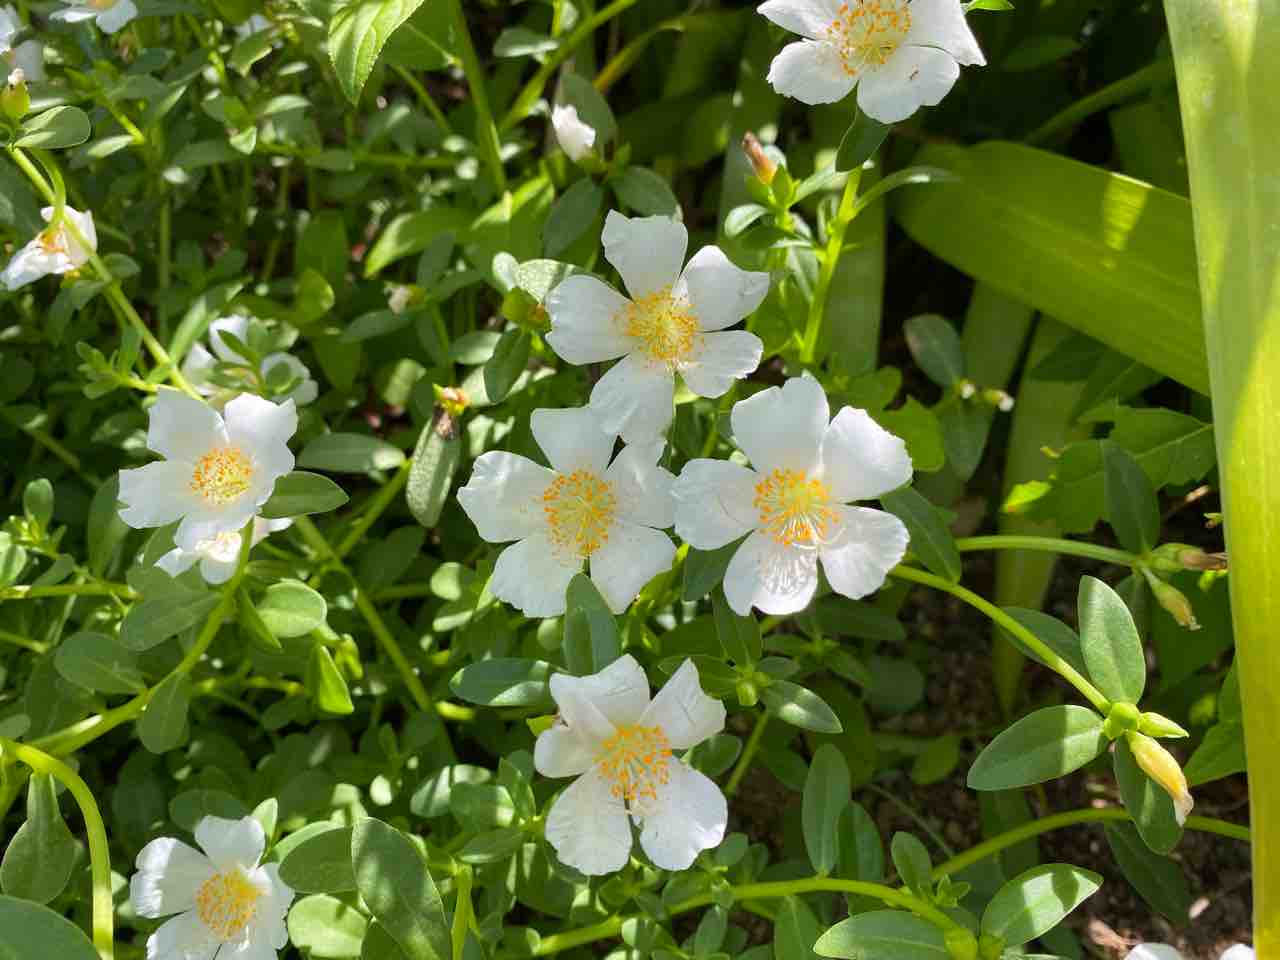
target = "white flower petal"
x: 77, y: 254
x: 238, y: 326
x: 307, y: 389
x: 1238, y: 951
x: 635, y: 399
x: 616, y: 696
x: 29, y: 58
x: 584, y: 315
x: 573, y: 438
x: 183, y: 428
x: 503, y: 498
x: 1153, y: 951
x: 913, y: 77
x: 532, y: 576
x: 714, y: 503
x: 116, y: 16
x: 686, y: 714
x: 196, y: 367
x: 250, y: 948
x: 231, y: 843
x: 9, y: 25
x: 74, y: 14
x: 770, y: 577
x: 169, y: 874
x: 870, y: 544
x: 631, y: 557
x: 156, y: 494
x: 810, y: 71
x: 588, y: 827
x: 560, y: 752
x: 647, y: 251
x: 721, y: 293
x: 691, y: 818
x: 184, y: 937
x: 205, y: 521
x: 861, y: 459
x: 642, y: 488
x: 269, y: 923
x: 781, y: 428
x: 263, y: 429
x: 216, y: 570
x: 575, y: 137
x: 941, y: 23
x: 718, y: 359
x: 177, y: 561
x: 809, y: 18
x: 28, y: 265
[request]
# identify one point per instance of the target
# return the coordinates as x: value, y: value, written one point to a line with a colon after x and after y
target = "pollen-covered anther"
x: 227, y: 902
x: 867, y: 32
x: 664, y: 325
x: 635, y: 761
x: 795, y: 508
x: 221, y: 475
x: 579, y: 508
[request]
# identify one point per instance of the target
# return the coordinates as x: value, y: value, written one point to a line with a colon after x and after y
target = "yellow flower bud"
x: 1162, y: 767
x: 764, y: 167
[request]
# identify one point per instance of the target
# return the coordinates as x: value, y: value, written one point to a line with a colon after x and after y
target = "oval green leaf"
x: 1041, y: 746
x: 1035, y: 902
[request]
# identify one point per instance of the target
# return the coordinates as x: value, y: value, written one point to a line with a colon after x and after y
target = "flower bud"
x: 998, y: 399
x: 966, y: 389
x: 764, y: 167
x: 453, y: 400
x: 1123, y: 718
x: 1162, y: 767
x: 575, y: 137
x: 961, y: 944
x: 15, y: 101
x: 1174, y: 557
x: 1156, y: 725
x: 1175, y: 602
x: 402, y: 296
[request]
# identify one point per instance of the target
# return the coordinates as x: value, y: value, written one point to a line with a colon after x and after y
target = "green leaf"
x: 1041, y: 746
x: 1039, y: 51
x: 1159, y: 880
x: 435, y: 460
x: 38, y: 861
x: 96, y: 662
x: 645, y: 192
x: 321, y: 863
x: 937, y: 761
x: 883, y: 935
x: 392, y: 876
x: 1132, y: 509
x: 327, y: 685
x: 799, y: 707
x: 151, y: 622
x: 826, y: 793
x: 1147, y: 802
x: 412, y: 233
x: 1110, y: 643
x: 510, y: 357
x: 1051, y: 631
x: 921, y: 430
x: 300, y: 493
x: 350, y: 453
x: 1035, y: 902
x: 571, y: 215
x: 1067, y: 238
x: 911, y: 860
x: 741, y: 217
x: 504, y: 682
x: 191, y: 806
x: 593, y: 109
x: 739, y: 636
x: 931, y: 539
x: 861, y: 850
x: 55, y: 129
x: 861, y: 140
x: 795, y: 929
x: 591, y: 639
x: 1219, y: 755
x: 326, y: 928
x: 704, y: 569
x: 357, y: 35
x: 29, y: 930
x: 105, y: 530
x: 291, y: 609
x: 163, y: 725
x: 936, y: 347
x: 492, y: 846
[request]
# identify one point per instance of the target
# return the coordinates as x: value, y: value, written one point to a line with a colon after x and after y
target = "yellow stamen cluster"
x: 53, y: 240
x: 867, y: 32
x: 635, y: 761
x: 664, y: 325
x: 222, y: 475
x: 795, y: 508
x: 226, y: 902
x: 579, y: 507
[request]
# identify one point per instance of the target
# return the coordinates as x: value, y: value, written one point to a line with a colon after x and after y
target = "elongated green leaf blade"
x: 1110, y: 642
x: 1041, y: 746
x: 357, y: 35
x: 392, y: 876
x: 1036, y: 901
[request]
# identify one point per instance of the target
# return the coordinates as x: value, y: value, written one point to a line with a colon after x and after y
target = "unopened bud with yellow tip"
x: 1162, y: 767
x: 453, y: 400
x: 15, y: 101
x: 764, y: 166
x: 1175, y: 602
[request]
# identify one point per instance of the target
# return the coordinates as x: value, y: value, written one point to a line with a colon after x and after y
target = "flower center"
x: 579, y: 507
x: 102, y: 4
x: 222, y: 475
x: 794, y: 508
x: 634, y: 760
x: 867, y: 32
x: 664, y: 325
x: 226, y: 902
x: 53, y: 240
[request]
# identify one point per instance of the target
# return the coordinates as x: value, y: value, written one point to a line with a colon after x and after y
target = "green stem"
x: 377, y: 504
x: 748, y: 754
x: 836, y: 230
x: 95, y: 831
x: 1029, y: 639
x: 1072, y: 548
x: 424, y: 97
x: 1137, y: 84
x: 486, y: 129
x: 53, y: 446
x: 99, y: 589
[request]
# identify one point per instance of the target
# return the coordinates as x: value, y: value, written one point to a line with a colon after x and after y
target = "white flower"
x: 900, y: 54
x: 53, y: 250
x: 583, y: 508
x: 216, y: 473
x: 27, y: 56
x: 619, y: 745
x: 674, y: 323
x: 255, y: 24
x: 226, y: 905
x: 199, y: 362
x: 793, y: 503
x: 110, y: 15
x: 1161, y: 951
x: 575, y: 137
x: 218, y: 555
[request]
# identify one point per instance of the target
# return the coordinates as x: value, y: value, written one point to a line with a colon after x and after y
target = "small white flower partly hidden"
x: 1161, y: 951
x: 199, y: 364
x: 27, y: 56
x: 619, y: 745
x: 583, y: 508
x: 575, y: 137
x: 900, y: 54
x: 110, y: 15
x: 218, y: 468
x: 793, y: 503
x: 217, y: 556
x: 54, y: 249
x: 227, y: 905
x: 674, y: 323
